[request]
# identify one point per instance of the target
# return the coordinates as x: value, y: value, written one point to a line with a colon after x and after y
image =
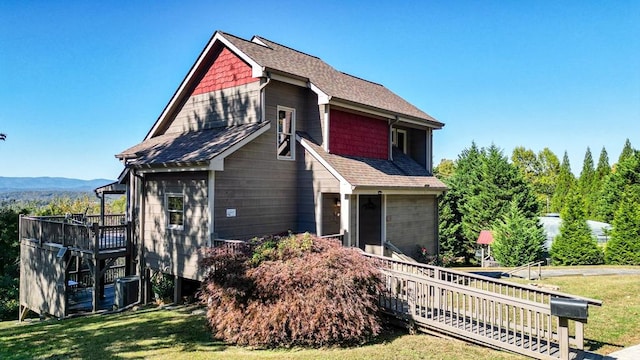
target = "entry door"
x: 369, y: 220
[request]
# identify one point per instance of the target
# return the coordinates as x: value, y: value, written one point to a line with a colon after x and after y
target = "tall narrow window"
x: 175, y: 211
x: 286, y: 132
x: 399, y: 139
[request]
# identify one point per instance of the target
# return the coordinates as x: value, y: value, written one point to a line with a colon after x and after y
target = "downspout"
x: 391, y: 123
x: 262, y: 98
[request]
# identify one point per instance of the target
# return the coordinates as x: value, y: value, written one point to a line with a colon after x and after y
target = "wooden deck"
x: 87, y: 237
x: 51, y: 247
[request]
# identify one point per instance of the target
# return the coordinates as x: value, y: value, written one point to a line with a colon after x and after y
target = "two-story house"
x: 262, y: 139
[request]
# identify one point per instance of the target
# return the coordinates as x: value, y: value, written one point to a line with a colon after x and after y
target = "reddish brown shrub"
x: 296, y: 290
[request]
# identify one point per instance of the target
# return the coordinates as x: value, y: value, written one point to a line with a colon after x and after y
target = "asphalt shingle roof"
x: 331, y: 81
x: 401, y: 172
x: 196, y: 147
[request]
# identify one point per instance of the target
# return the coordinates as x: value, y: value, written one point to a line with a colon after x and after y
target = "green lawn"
x: 177, y: 334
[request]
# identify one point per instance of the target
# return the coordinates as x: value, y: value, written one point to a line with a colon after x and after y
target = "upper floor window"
x: 399, y: 139
x: 175, y: 211
x: 286, y: 133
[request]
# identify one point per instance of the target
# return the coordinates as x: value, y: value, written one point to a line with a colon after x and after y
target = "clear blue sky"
x: 83, y: 80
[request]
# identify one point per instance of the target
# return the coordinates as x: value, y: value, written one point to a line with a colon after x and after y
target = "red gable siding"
x: 227, y: 71
x: 357, y: 135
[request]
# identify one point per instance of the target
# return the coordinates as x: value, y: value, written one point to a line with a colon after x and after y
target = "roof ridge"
x: 286, y: 47
x: 359, y: 78
x: 244, y: 40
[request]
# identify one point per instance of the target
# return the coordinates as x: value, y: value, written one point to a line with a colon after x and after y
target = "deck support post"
x: 563, y: 337
x: 22, y: 312
x: 103, y: 267
x: 96, y: 286
x: 177, y: 289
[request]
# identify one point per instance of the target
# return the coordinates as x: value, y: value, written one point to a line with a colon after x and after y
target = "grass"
x: 177, y: 334
x: 154, y: 333
x: 616, y: 324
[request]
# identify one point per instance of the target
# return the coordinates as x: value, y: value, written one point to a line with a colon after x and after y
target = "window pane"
x: 175, y: 203
x: 284, y: 145
x: 284, y: 122
x: 175, y: 218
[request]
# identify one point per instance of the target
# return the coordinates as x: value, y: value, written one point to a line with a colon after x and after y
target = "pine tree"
x: 518, y: 240
x: 498, y: 184
x: 602, y: 171
x: 624, y: 246
x: 575, y: 245
x: 626, y: 152
x: 625, y: 179
x: 564, y: 184
x: 452, y: 241
x: 586, y: 182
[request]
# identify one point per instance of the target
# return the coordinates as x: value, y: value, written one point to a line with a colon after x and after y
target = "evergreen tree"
x: 602, y: 171
x: 575, y: 245
x: 627, y: 151
x: 586, y: 182
x: 624, y: 246
x: 452, y: 241
x: 499, y: 183
x: 625, y: 179
x: 518, y: 240
x: 564, y: 184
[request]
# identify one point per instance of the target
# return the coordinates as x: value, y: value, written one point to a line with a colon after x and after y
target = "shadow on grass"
x: 594, y: 345
x: 131, y: 334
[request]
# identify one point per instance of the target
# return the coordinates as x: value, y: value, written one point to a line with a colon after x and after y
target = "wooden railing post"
x: 563, y: 337
x: 95, y: 227
x: 580, y: 334
x: 64, y: 235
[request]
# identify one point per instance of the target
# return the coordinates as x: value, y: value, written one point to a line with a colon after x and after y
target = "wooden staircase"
x: 479, y: 309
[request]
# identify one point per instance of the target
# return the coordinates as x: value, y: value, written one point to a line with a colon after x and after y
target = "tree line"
x: 489, y: 191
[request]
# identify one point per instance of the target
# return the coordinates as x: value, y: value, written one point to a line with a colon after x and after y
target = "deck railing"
x: 520, y: 291
x: 481, y: 316
x: 489, y: 311
x: 73, y: 233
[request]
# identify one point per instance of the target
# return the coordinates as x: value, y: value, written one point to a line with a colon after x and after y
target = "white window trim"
x: 292, y: 134
x: 166, y: 201
x: 394, y: 138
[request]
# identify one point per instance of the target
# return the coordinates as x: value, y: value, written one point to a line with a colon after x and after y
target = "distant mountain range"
x: 14, y: 184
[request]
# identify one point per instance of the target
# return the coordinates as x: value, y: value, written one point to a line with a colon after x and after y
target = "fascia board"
x: 382, y: 113
x: 323, y: 98
x: 372, y: 190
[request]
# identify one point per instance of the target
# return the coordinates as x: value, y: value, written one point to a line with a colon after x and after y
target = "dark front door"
x: 370, y: 214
